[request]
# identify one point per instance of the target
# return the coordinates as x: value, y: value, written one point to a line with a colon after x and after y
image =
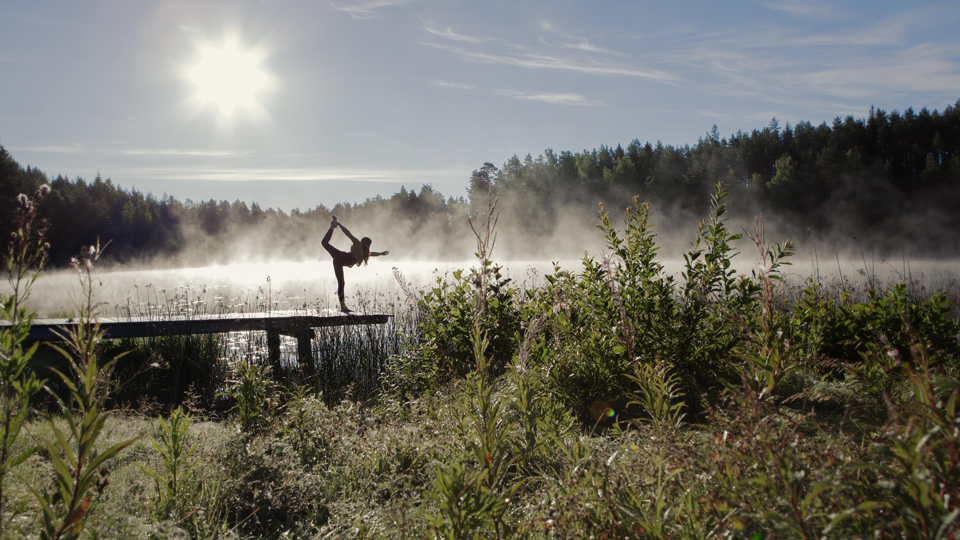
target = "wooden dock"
x: 275, y: 324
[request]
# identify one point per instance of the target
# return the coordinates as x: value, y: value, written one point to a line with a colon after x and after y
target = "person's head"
x: 365, y: 242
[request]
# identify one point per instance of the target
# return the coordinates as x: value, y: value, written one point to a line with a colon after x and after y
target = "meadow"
x: 614, y: 400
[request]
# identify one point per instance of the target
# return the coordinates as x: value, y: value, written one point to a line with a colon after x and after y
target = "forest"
x: 892, y: 176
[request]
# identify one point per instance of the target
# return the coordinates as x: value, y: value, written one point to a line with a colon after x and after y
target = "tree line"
x: 892, y: 175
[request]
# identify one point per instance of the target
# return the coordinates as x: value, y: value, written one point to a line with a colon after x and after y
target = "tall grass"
x: 611, y: 402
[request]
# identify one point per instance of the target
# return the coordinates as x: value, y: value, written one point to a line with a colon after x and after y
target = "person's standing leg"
x: 338, y: 270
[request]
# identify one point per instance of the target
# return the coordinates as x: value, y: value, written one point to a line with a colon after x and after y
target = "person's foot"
x: 345, y: 309
x: 334, y: 223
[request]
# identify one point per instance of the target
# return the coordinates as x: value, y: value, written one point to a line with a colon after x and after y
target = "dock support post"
x: 273, y: 348
x: 305, y: 351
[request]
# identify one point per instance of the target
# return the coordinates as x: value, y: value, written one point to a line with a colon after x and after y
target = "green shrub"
x: 452, y: 312
x: 626, y: 310
x: 252, y: 394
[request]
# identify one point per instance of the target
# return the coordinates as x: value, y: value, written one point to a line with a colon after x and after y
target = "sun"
x: 227, y: 76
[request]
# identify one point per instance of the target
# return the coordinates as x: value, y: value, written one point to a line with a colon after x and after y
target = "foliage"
x: 192, y: 500
x: 626, y: 310
x: 166, y: 369
x: 77, y: 461
x: 27, y: 254
x: 175, y: 452
x: 486, y: 443
x: 451, y: 314
x: 659, y: 395
x: 921, y: 448
x: 766, y: 356
x: 252, y: 396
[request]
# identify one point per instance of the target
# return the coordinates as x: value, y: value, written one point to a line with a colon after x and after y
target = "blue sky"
x: 357, y: 98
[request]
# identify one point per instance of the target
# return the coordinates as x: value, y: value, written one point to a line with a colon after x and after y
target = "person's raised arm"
x: 346, y: 232
x: 379, y: 253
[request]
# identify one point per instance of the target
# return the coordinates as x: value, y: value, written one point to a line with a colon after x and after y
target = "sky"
x: 297, y: 103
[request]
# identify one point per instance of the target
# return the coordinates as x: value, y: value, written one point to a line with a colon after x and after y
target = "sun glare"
x: 227, y: 76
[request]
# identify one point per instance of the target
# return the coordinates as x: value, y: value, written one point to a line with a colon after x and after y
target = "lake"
x: 295, y: 285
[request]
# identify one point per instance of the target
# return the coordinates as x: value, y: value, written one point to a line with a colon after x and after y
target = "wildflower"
x: 44, y: 189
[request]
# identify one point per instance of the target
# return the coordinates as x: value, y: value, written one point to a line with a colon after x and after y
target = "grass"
x: 613, y: 402
x: 368, y: 468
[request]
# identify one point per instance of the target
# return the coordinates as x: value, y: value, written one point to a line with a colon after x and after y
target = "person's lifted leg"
x: 359, y: 252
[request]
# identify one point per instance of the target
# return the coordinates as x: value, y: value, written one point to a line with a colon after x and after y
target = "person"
x: 359, y: 253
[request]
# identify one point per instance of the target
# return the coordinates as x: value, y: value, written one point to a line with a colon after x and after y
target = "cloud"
x: 924, y: 68
x: 889, y: 32
x: 890, y: 57
x: 449, y: 34
x: 365, y: 9
x: 538, y: 61
x: 549, y: 97
x: 175, y: 152
x: 448, y: 84
x: 413, y: 176
x: 583, y: 44
x: 711, y: 114
x: 555, y: 98
x: 803, y: 8
x: 72, y: 149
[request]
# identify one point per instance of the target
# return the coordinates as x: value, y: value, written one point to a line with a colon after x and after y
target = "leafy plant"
x: 922, y: 451
x: 175, y: 453
x: 27, y: 255
x: 464, y: 508
x: 659, y: 394
x: 252, y: 396
x: 77, y: 461
x: 451, y: 311
x: 766, y: 354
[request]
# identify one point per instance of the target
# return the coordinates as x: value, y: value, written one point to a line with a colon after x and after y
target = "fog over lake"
x: 295, y: 285
x: 291, y: 285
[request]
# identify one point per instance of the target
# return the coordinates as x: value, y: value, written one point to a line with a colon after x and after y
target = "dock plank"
x: 295, y: 324
x: 54, y: 329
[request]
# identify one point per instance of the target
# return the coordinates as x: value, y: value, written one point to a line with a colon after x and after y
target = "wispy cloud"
x: 886, y: 58
x: 364, y: 9
x: 71, y: 149
x: 540, y: 61
x: 581, y: 44
x: 554, y: 98
x: 448, y: 33
x: 584, y: 45
x: 890, y: 32
x: 246, y: 174
x: 712, y: 114
x: 924, y: 68
x: 175, y: 152
x: 457, y: 86
x: 798, y: 7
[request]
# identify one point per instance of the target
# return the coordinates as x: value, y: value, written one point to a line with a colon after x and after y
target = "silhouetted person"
x: 359, y: 252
